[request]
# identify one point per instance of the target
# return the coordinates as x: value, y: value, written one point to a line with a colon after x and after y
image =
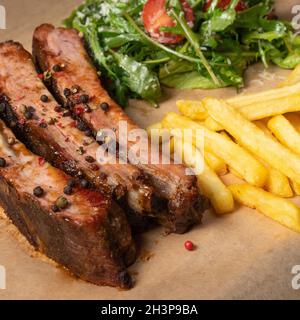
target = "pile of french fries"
x: 254, y: 137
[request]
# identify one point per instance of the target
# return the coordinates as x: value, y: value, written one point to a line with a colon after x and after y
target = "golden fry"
x: 215, y: 163
x: 270, y: 95
x: 279, y: 184
x: 192, y: 109
x: 212, y: 125
x: 285, y: 133
x: 268, y: 108
x: 232, y: 154
x: 254, y: 139
x: 281, y: 210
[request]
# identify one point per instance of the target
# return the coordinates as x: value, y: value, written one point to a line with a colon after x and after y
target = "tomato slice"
x: 222, y: 4
x: 155, y: 17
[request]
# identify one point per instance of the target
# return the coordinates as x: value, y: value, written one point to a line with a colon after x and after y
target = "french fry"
x: 285, y: 133
x: 209, y: 183
x: 212, y: 125
x: 253, y: 107
x: 254, y: 139
x: 192, y: 109
x: 268, y: 108
x: 232, y: 154
x: 270, y: 95
x: 252, y: 110
x: 231, y: 170
x: 293, y: 78
x: 215, y: 163
x: 281, y: 210
x: 277, y: 182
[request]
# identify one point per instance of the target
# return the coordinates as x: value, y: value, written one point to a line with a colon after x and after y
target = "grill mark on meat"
x: 59, y: 141
x: 91, y: 237
x: 53, y: 46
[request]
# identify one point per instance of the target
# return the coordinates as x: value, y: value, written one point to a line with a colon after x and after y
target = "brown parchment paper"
x: 240, y: 256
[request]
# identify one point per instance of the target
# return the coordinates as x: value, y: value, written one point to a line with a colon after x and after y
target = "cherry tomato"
x: 155, y: 16
x: 222, y: 4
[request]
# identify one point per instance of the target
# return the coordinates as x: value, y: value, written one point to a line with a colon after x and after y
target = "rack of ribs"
x: 64, y: 47
x: 85, y: 231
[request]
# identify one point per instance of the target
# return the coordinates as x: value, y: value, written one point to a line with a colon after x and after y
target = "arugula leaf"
x: 139, y: 78
x: 188, y: 80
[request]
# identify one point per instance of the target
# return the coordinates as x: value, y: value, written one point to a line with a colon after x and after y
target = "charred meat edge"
x: 59, y: 143
x: 52, y: 46
x: 93, y: 240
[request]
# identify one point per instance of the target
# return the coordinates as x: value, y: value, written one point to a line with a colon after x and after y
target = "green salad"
x: 139, y: 45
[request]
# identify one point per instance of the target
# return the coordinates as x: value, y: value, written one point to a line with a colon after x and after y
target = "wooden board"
x: 243, y: 255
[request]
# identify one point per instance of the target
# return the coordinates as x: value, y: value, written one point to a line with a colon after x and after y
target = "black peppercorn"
x: 89, y: 159
x: 38, y: 191
x: 68, y: 190
x: 62, y: 202
x: 56, y: 68
x: 54, y: 208
x: 104, y: 106
x: 44, y: 98
x: 2, y: 162
x: 84, y: 183
x: 67, y: 92
x: 28, y: 114
x: 31, y: 109
x: 71, y: 183
x: 84, y: 98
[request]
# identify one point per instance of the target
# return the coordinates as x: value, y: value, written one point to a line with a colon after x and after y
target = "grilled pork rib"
x: 49, y: 131
x: 64, y: 47
x: 90, y: 237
